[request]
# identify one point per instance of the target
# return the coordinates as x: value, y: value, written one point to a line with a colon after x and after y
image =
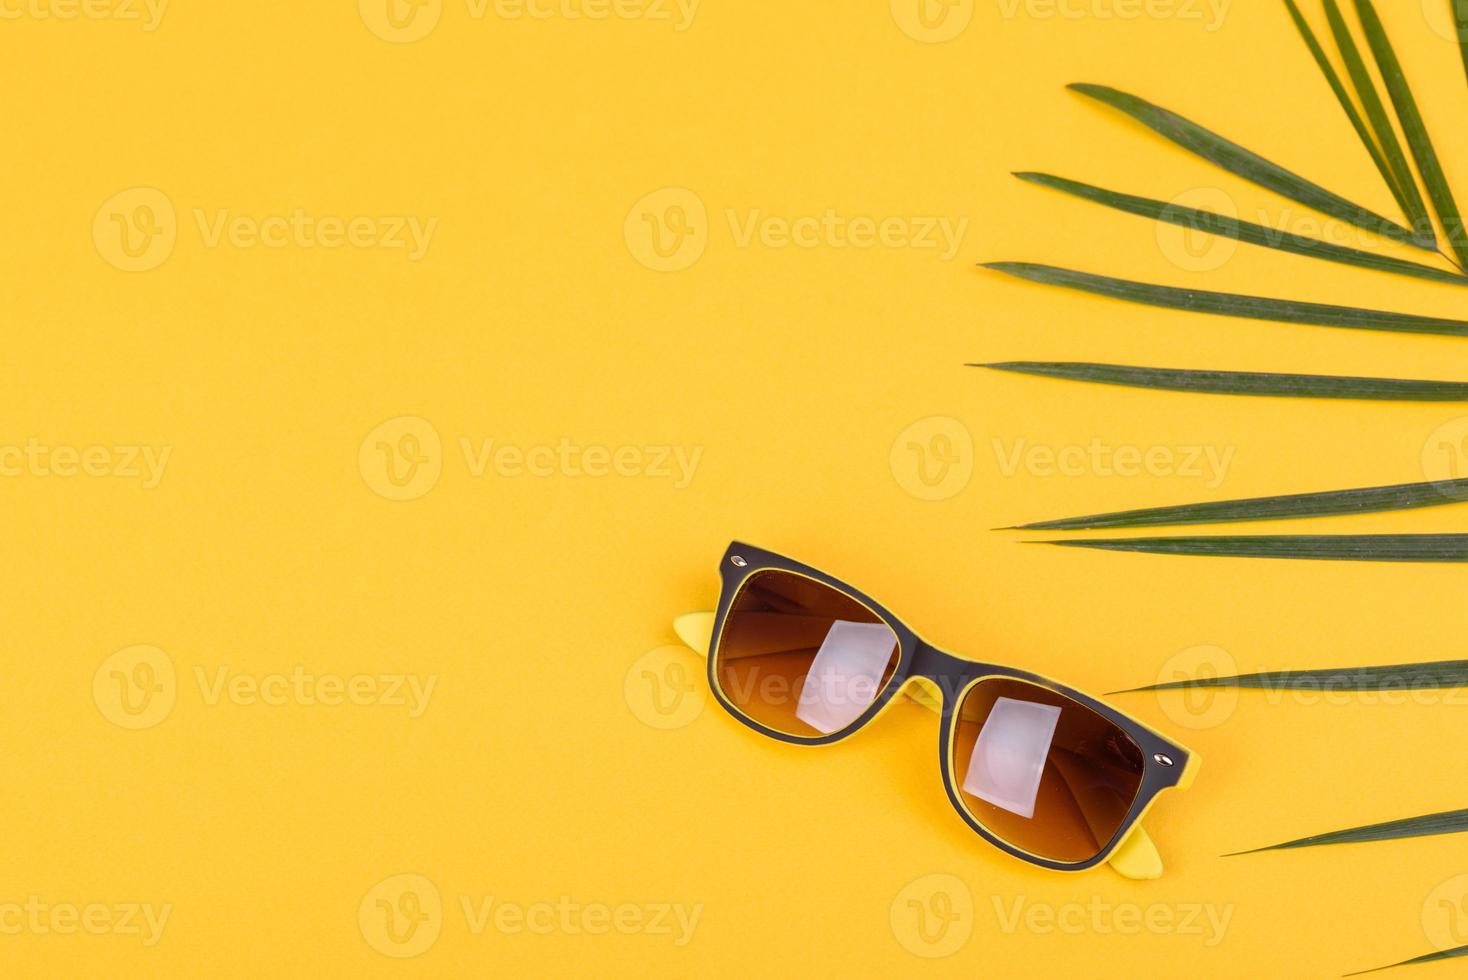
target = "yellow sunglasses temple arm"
x: 696, y: 629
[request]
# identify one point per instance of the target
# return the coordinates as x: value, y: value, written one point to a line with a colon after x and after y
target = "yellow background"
x: 534, y: 773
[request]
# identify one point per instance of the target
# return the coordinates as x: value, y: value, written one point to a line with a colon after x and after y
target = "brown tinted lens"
x: 1042, y: 771
x: 801, y: 657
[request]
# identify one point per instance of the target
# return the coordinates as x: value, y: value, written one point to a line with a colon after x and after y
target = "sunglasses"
x: 1040, y: 770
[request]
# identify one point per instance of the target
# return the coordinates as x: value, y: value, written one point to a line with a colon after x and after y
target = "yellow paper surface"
x: 414, y: 365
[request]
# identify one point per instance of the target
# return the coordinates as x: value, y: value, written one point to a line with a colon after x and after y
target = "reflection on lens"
x: 1042, y: 771
x: 800, y: 657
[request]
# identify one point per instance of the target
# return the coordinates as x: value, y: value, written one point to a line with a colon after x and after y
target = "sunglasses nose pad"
x: 924, y: 691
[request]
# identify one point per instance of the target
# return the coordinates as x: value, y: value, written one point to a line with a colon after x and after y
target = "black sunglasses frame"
x: 1164, y: 761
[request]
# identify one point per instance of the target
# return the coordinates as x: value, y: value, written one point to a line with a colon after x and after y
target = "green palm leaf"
x: 1434, y: 676
x: 1432, y: 825
x: 1241, y: 382
x: 1331, y: 503
x: 1231, y: 304
x: 1415, y: 129
x: 1439, y: 548
x: 1460, y: 21
x: 1218, y: 224
x: 1244, y: 163
x: 1414, y: 209
x: 1447, y: 954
